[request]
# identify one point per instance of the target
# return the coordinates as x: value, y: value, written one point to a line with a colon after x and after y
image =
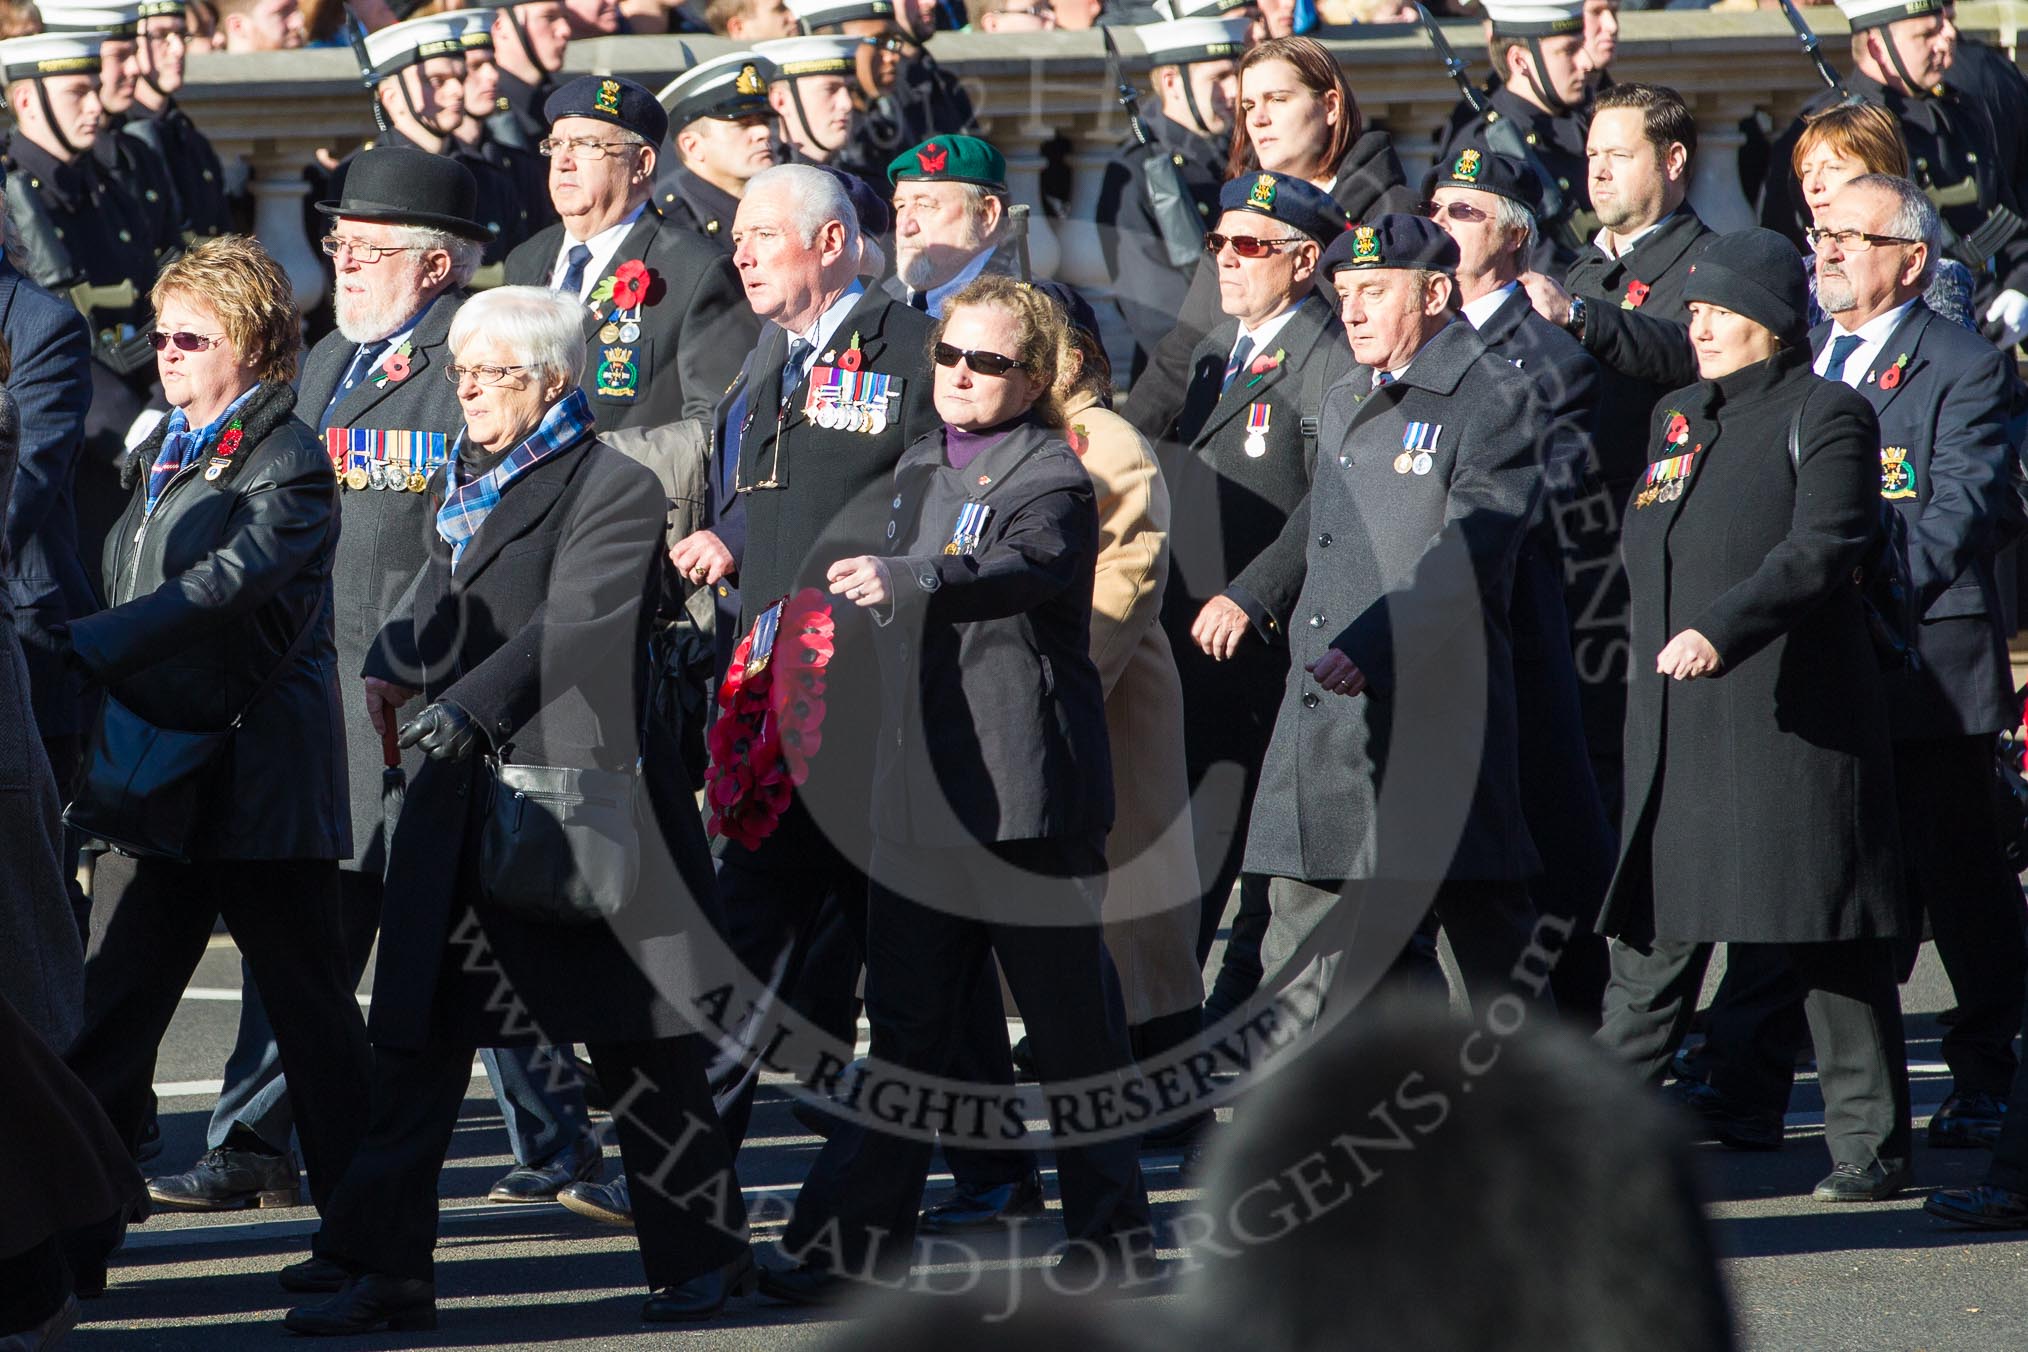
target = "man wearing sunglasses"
x: 1255, y: 378
x: 950, y: 212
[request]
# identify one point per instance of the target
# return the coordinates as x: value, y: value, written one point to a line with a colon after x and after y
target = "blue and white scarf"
x: 180, y: 446
x: 467, y: 505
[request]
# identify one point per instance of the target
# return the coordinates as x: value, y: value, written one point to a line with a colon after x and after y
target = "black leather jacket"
x: 207, y: 595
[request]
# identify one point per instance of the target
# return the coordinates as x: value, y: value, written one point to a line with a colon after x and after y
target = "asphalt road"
x: 1802, y: 1276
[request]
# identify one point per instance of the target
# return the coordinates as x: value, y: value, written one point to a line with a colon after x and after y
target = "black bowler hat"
x: 1502, y: 175
x: 1756, y: 273
x: 1294, y: 202
x: 1392, y: 241
x: 401, y: 186
x: 608, y: 98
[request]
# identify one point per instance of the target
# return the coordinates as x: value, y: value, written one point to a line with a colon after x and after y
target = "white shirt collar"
x: 1603, y: 238
x: 1264, y: 336
x: 1477, y: 312
x: 825, y: 330
x: 1872, y: 336
x: 936, y: 296
x: 603, y: 246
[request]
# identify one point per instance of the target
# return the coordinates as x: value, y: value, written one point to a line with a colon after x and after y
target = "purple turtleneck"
x: 961, y: 447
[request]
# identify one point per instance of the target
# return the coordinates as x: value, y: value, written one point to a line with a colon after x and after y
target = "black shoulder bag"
x: 560, y: 844
x: 1886, y: 586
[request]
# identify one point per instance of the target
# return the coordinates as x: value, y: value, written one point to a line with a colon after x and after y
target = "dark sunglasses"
x: 1246, y: 246
x: 1457, y: 211
x: 188, y: 342
x: 984, y: 363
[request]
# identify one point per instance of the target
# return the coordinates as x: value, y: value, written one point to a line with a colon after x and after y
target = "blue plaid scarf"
x: 466, y: 505
x: 180, y: 446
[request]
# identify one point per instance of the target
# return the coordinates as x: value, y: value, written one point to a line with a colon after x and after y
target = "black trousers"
x: 922, y: 967
x: 688, y: 1212
x: 152, y: 920
x: 1854, y: 1013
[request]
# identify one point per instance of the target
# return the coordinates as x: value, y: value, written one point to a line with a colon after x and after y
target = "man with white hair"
x: 950, y: 219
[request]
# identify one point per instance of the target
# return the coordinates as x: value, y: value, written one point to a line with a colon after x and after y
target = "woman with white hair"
x: 521, y: 904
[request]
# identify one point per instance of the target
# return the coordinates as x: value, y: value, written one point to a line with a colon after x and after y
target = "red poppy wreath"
x: 771, y: 723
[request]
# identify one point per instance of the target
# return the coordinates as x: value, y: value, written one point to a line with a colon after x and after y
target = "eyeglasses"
x: 485, y: 375
x: 1457, y: 211
x: 584, y: 147
x: 983, y: 363
x: 1851, y: 241
x: 184, y: 340
x: 1246, y: 246
x: 335, y: 246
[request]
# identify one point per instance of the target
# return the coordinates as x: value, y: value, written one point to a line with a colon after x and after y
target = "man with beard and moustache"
x: 723, y: 136
x: 159, y: 49
x: 1902, y: 54
x: 526, y: 203
x: 812, y: 94
x: 123, y: 158
x: 529, y: 41
x: 1625, y: 304
x: 663, y: 351
x: 403, y: 246
x: 1539, y: 48
x: 1196, y: 75
x: 79, y: 234
x: 950, y: 210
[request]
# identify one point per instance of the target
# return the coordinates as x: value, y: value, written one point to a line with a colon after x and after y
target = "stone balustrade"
x: 275, y: 110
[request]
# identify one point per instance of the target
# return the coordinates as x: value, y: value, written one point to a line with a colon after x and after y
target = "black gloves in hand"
x: 443, y: 731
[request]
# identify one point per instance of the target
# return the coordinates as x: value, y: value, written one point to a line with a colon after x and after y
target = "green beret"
x: 951, y: 159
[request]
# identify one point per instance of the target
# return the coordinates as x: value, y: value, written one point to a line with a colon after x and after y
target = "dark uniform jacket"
x: 520, y: 124
x: 206, y: 598
x: 1555, y: 142
x: 1947, y: 431
x: 139, y: 168
x: 1147, y: 286
x: 1760, y: 801
x: 696, y: 327
x: 194, y: 167
x: 926, y: 101
x: 1227, y: 511
x: 992, y: 709
x: 1410, y: 575
x: 703, y: 208
x: 46, y: 577
x: 539, y: 635
x: 386, y: 536
x: 1954, y: 153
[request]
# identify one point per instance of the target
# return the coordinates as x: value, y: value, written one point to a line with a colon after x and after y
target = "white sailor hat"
x: 114, y: 20
x: 1535, y: 18
x: 156, y: 9
x: 414, y: 41
x: 1864, y: 14
x: 726, y: 87
x: 793, y: 57
x: 816, y: 14
x: 50, y: 54
x: 1179, y: 42
x: 1198, y: 9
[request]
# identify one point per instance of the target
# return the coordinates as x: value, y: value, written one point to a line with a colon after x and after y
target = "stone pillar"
x: 279, y: 193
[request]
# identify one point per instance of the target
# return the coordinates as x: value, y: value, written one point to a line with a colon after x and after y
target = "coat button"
x: 897, y: 502
x: 1309, y: 699
x: 1345, y: 460
x: 890, y: 530
x: 1316, y: 621
x: 1324, y: 540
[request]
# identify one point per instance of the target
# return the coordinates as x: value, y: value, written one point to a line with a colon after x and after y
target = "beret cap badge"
x: 1466, y: 170
x: 608, y: 99
x: 749, y: 81
x: 1263, y: 194
x: 933, y: 158
x: 1365, y: 246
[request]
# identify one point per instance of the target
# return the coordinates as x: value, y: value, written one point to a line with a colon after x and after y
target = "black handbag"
x: 141, y: 786
x: 560, y: 844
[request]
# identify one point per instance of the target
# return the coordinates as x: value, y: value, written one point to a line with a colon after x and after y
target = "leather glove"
x: 2007, y: 319
x: 444, y: 732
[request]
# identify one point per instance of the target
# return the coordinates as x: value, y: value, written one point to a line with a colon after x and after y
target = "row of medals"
x: 1418, y: 461
x: 852, y: 417
x: 385, y: 476
x: 629, y: 332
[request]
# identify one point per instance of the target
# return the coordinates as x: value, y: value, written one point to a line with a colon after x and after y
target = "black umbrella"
x: 393, y: 783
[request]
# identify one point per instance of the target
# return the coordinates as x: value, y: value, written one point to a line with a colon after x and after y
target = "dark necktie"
x: 576, y: 261
x: 361, y: 367
x: 1382, y: 379
x: 792, y: 369
x: 1237, y: 362
x: 919, y: 300
x: 1842, y: 348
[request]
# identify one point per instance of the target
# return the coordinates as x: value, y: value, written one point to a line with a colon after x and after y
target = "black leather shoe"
x: 1731, y: 1123
x: 607, y: 1202
x: 1984, y: 1207
x: 1967, y: 1121
x: 965, y: 1208
x: 702, y: 1296
x: 368, y: 1304
x: 230, y: 1180
x: 803, y: 1285
x: 542, y: 1182
x: 314, y: 1274
x: 1875, y: 1182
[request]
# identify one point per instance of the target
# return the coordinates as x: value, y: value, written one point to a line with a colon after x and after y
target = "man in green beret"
x: 950, y: 220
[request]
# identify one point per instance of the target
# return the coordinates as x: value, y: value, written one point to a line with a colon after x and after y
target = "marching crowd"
x: 699, y: 545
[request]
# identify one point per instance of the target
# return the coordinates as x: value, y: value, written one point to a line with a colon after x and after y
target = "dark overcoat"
x: 1147, y: 286
x: 1948, y: 429
x: 992, y: 714
x: 1411, y: 576
x: 385, y: 539
x: 1227, y: 512
x: 1760, y: 801
x: 696, y: 326
x: 198, y: 172
x: 539, y: 634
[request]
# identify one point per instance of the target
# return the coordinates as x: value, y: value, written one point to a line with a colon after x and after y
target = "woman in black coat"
x: 525, y: 634
x: 219, y: 577
x: 992, y: 789
x: 1759, y: 787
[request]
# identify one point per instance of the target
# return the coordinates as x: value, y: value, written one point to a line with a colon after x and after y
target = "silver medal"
x: 1423, y: 462
x: 630, y: 332
x: 1256, y: 445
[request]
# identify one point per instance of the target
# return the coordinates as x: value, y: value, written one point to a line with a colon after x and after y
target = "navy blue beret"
x: 609, y: 98
x: 1477, y: 167
x: 1294, y: 202
x: 876, y: 218
x: 1393, y: 241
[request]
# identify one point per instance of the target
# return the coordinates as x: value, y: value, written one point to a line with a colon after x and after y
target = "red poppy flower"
x: 851, y: 359
x: 1637, y: 291
x: 396, y: 367
x: 630, y: 284
x: 228, y: 441
x: 1679, y: 430
x: 1890, y: 378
